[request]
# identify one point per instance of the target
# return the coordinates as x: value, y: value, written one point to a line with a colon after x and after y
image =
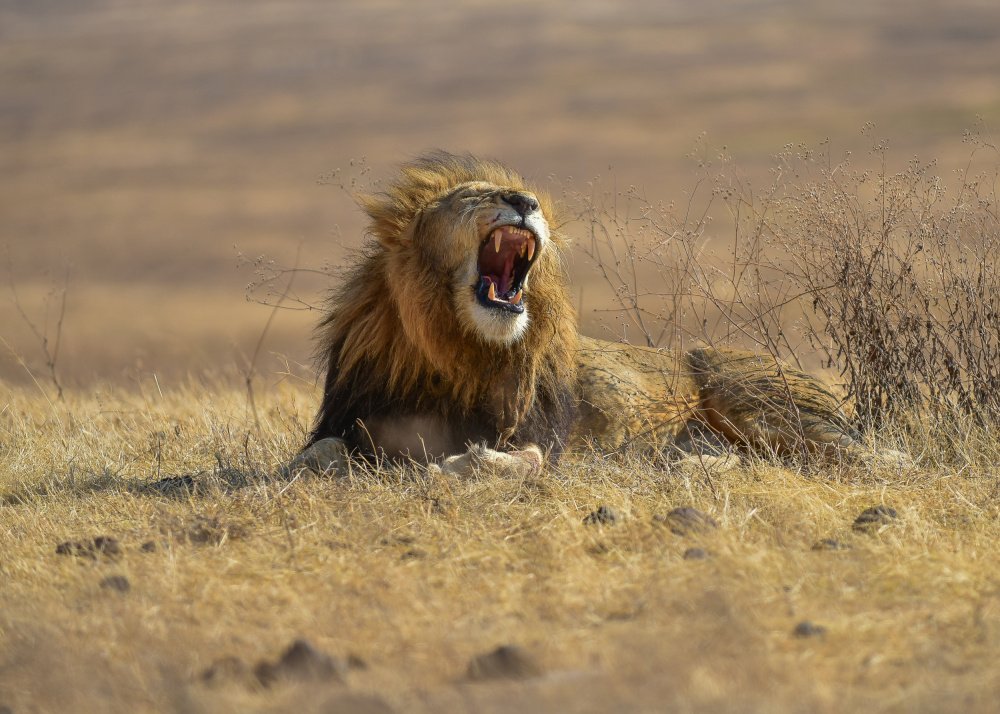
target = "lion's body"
x: 440, y: 339
x: 649, y: 400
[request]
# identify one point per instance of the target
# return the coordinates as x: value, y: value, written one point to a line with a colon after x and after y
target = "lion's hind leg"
x: 755, y: 400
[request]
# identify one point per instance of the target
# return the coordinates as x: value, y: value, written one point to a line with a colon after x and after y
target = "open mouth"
x: 505, y: 258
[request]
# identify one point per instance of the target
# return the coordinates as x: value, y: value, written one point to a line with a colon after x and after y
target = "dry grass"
x: 143, y: 140
x: 417, y: 577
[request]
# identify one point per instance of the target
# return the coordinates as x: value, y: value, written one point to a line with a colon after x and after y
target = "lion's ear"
x: 392, y: 221
x: 399, y: 237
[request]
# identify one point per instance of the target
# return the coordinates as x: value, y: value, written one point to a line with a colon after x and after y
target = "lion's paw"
x: 511, y: 464
x: 327, y: 457
x: 714, y: 464
x: 889, y: 457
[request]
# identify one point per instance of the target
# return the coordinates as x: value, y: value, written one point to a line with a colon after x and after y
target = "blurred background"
x: 152, y: 150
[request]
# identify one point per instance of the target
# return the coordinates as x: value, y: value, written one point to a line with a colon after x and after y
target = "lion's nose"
x: 522, y: 202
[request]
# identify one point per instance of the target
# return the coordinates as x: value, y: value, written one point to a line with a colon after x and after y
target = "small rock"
x: 829, y: 544
x: 687, y: 520
x: 301, y: 662
x: 149, y: 547
x: 807, y: 629
x: 101, y: 545
x: 173, y: 485
x: 413, y: 554
x: 506, y: 662
x: 213, y: 531
x: 695, y: 554
x: 107, y: 546
x: 356, y: 662
x: 226, y: 669
x: 355, y: 704
x: 873, y: 518
x: 603, y: 516
x: 118, y: 583
x: 71, y: 548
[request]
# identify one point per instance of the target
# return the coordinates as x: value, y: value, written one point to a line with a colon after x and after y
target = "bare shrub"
x: 889, y: 278
x: 902, y: 277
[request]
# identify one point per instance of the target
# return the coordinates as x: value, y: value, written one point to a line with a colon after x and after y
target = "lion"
x: 453, y: 343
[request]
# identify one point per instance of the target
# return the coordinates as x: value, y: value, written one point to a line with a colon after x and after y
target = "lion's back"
x: 631, y: 396
x: 755, y: 398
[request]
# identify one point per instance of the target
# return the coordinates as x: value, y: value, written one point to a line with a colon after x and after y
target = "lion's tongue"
x: 498, y: 270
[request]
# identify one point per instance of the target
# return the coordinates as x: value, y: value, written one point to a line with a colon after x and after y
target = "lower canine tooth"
x: 517, y: 298
x: 493, y: 292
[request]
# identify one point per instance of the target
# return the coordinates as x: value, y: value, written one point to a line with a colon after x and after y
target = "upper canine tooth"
x: 517, y: 298
x: 496, y: 238
x: 531, y: 247
x: 493, y: 292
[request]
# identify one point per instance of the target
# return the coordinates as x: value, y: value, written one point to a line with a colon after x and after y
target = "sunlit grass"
x: 416, y: 576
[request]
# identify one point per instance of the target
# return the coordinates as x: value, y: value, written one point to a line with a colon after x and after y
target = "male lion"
x: 453, y: 340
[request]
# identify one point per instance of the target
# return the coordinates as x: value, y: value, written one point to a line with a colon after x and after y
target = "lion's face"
x: 490, y: 237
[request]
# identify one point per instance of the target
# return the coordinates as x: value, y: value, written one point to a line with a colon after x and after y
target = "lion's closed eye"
x: 471, y: 196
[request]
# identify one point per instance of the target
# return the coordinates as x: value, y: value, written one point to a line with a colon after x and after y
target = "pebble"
x: 602, y: 516
x: 506, y: 662
x: 829, y: 544
x: 355, y: 704
x: 301, y: 662
x: 118, y: 583
x: 695, y: 554
x: 101, y: 545
x: 174, y: 485
x: 687, y: 520
x: 226, y: 669
x: 808, y: 629
x: 873, y: 518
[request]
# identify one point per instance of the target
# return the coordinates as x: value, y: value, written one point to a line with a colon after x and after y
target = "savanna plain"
x: 151, y: 562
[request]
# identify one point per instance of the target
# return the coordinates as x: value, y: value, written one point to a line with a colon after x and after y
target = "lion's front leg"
x: 510, y: 464
x: 331, y: 457
x: 327, y: 457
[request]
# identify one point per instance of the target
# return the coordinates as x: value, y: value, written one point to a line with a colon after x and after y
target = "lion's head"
x: 460, y: 297
x: 501, y: 232
x: 478, y: 227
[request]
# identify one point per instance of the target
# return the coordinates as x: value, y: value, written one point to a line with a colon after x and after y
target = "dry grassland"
x: 410, y: 578
x: 140, y: 141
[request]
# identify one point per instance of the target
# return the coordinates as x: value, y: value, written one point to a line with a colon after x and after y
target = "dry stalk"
x: 42, y: 335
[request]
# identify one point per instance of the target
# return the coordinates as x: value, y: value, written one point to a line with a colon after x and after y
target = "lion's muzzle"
x: 505, y: 258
